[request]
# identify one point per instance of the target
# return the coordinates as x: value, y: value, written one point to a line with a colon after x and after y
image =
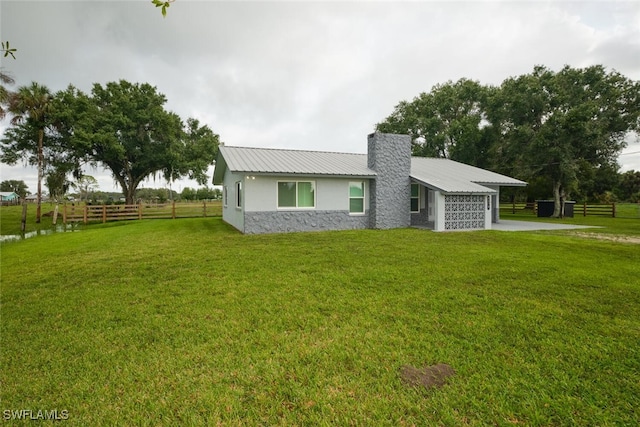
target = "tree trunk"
x: 23, y: 223
x: 557, y: 202
x: 130, y: 195
x: 40, y: 173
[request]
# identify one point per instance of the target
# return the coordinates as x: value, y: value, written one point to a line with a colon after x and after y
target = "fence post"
x: 205, y: 208
x: 23, y: 221
x: 85, y: 214
x: 173, y: 210
x: 64, y: 214
x: 139, y: 210
x: 513, y: 211
x: 104, y: 213
x: 54, y: 220
x: 613, y: 209
x: 584, y: 209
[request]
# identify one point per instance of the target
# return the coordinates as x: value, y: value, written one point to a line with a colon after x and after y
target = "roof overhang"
x: 461, y: 188
x: 219, y: 169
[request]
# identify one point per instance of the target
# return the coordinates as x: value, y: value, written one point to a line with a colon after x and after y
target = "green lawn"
x: 11, y: 216
x: 187, y: 322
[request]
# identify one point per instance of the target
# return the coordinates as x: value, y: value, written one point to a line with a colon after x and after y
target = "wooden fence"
x: 172, y: 210
x: 584, y: 209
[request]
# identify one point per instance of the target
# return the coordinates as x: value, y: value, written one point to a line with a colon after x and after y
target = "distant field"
x: 187, y: 322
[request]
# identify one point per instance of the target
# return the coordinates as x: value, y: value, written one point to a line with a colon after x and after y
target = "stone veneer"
x: 389, y: 155
x: 311, y: 220
x: 421, y: 219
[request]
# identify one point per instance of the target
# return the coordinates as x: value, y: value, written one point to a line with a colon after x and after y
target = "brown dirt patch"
x: 611, y: 237
x: 434, y: 376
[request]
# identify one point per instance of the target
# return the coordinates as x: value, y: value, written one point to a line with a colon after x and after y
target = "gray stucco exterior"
x: 389, y: 155
x: 344, y: 191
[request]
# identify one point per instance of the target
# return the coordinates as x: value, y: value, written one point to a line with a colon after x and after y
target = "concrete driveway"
x: 510, y: 225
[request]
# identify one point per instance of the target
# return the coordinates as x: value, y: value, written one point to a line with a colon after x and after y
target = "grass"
x: 11, y: 216
x: 187, y: 322
x: 628, y: 210
x: 625, y: 224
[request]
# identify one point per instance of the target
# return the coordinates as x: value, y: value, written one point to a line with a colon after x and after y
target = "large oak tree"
x: 564, y: 125
x: 449, y: 121
x: 125, y: 128
x: 561, y: 126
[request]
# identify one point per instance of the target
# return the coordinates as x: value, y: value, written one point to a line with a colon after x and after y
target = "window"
x: 296, y: 194
x: 415, y: 198
x: 356, y: 197
x: 238, y: 194
x: 225, y: 192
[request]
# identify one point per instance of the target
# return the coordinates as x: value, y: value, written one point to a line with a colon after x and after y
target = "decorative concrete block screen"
x: 464, y: 212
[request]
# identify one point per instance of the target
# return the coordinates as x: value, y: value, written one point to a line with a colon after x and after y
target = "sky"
x: 301, y: 74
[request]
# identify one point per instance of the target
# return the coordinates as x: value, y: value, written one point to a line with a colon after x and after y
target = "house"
x: 9, y: 198
x: 272, y: 191
x: 33, y: 198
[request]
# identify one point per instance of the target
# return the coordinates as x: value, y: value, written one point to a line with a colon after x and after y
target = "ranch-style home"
x: 274, y: 191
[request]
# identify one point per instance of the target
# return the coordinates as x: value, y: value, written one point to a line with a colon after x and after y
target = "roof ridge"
x: 295, y: 150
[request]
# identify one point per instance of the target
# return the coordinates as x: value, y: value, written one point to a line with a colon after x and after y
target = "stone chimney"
x: 389, y: 155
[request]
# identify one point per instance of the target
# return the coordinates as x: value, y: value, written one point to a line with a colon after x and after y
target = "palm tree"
x: 5, y: 79
x: 32, y: 103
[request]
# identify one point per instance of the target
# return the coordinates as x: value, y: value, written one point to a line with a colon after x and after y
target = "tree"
x: 5, y: 94
x: 30, y: 108
x: 188, y: 193
x: 57, y: 183
x: 124, y: 127
x: 8, y: 50
x: 556, y: 124
x: 85, y: 185
x: 629, y: 186
x: 5, y: 79
x: 164, y: 5
x: 18, y: 187
x: 194, y: 154
x: 447, y: 122
x: 205, y: 193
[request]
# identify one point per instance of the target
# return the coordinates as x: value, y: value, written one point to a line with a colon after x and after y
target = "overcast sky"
x: 305, y: 75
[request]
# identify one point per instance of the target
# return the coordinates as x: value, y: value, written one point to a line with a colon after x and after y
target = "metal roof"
x: 453, y: 177
x: 443, y: 175
x: 291, y: 162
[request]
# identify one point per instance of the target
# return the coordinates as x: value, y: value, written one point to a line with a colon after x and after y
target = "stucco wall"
x: 495, y: 205
x: 260, y: 212
x: 261, y: 193
x: 230, y: 213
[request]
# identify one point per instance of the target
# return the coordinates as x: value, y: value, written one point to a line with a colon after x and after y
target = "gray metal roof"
x: 439, y: 174
x: 291, y: 162
x: 453, y: 177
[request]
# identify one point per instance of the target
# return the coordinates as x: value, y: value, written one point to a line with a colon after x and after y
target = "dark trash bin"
x: 568, y: 208
x: 545, y: 208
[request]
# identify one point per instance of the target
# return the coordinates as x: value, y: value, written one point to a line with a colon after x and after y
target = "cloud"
x: 303, y: 74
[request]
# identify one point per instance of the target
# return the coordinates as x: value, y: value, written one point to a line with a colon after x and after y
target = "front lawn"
x: 187, y: 322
